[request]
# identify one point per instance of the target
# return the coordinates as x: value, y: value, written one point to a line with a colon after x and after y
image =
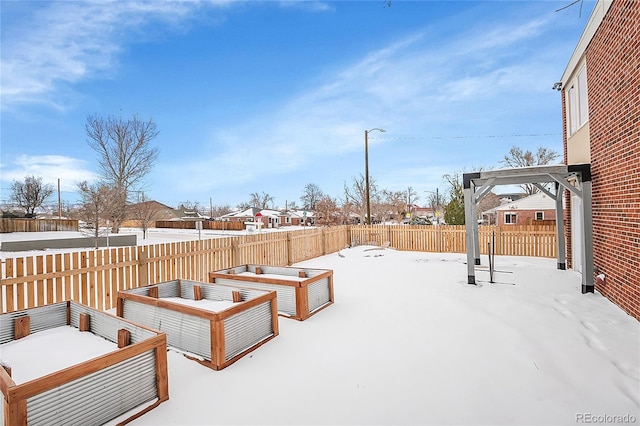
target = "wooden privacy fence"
x: 206, y: 224
x: 37, y: 225
x: 528, y: 240
x: 94, y: 277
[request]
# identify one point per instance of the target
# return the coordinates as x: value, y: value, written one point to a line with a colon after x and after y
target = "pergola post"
x: 587, y: 232
x: 471, y: 232
x: 561, y: 247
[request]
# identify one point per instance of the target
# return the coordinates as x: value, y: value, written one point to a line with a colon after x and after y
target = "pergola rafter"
x: 574, y: 178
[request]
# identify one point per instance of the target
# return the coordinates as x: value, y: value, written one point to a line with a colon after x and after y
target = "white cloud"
x: 68, y: 42
x: 50, y: 168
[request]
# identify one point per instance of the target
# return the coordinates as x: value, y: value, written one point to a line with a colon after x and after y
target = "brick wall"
x: 613, y: 78
x: 524, y: 217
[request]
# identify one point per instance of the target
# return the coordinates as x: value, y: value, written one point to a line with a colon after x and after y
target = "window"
x: 539, y: 215
x: 577, y: 105
x: 510, y: 218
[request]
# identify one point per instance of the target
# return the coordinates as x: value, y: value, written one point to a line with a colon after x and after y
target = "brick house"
x: 525, y: 211
x: 600, y: 91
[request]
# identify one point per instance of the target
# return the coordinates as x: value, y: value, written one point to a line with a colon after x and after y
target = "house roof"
x: 538, y: 201
x: 301, y: 213
x: 250, y: 212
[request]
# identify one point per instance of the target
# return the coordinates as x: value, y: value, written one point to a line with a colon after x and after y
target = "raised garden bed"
x: 302, y: 292
x: 212, y: 324
x: 118, y: 373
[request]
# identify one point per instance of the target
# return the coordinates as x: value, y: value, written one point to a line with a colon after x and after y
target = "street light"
x: 366, y: 168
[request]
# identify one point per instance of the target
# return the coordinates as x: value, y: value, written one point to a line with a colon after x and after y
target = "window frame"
x: 577, y: 98
x: 510, y: 215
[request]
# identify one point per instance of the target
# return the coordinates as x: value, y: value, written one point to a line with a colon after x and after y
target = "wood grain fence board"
x: 75, y: 278
x: 21, y: 289
x: 9, y: 305
x: 30, y: 285
x: 40, y: 282
x: 58, y: 280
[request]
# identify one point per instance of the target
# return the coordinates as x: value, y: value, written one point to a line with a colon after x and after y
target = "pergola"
x: 574, y: 178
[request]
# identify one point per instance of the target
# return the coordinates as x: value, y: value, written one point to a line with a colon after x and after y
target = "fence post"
x: 143, y: 275
x: 234, y: 252
x: 324, y: 241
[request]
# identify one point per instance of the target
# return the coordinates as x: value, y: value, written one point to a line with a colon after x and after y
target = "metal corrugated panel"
x: 166, y: 289
x: 98, y: 397
x: 247, y: 328
x: 216, y: 292
x: 186, y: 291
x: 41, y: 318
x: 107, y: 326
x: 286, y: 294
x: 219, y: 292
x: 169, y: 289
x: 186, y: 332
x: 319, y: 294
x: 281, y: 270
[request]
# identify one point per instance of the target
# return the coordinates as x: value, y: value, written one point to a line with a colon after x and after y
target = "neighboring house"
x: 269, y: 218
x: 148, y: 210
x: 601, y: 120
x: 296, y: 218
x: 246, y: 215
x: 425, y: 213
x: 524, y: 211
x: 183, y: 213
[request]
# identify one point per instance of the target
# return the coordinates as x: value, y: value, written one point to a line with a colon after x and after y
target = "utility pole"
x: 59, y: 203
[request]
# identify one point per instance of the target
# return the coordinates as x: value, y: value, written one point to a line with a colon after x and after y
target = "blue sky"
x: 270, y: 96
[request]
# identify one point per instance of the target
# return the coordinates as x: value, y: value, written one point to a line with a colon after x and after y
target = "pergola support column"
x: 561, y: 246
x: 471, y: 231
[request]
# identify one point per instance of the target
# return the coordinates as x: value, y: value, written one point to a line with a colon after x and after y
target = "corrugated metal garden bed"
x: 127, y: 378
x: 302, y: 292
x: 213, y: 324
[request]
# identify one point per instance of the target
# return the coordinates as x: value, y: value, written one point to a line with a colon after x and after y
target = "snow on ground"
x: 409, y: 342
x: 154, y: 236
x: 51, y: 350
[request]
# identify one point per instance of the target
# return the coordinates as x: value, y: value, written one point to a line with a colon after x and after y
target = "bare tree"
x: 412, y: 197
x: 190, y: 205
x: 327, y: 212
x: 356, y: 194
x: 311, y: 195
x: 146, y: 212
x: 125, y: 155
x: 221, y: 210
x: 395, y: 202
x: 97, y: 200
x: 260, y: 201
x: 488, y: 202
x: 30, y: 194
x: 519, y: 158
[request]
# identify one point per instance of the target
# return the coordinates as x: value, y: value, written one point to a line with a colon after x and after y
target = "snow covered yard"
x: 407, y: 341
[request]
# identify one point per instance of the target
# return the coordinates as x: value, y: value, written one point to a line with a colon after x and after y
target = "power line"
x: 527, y: 135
